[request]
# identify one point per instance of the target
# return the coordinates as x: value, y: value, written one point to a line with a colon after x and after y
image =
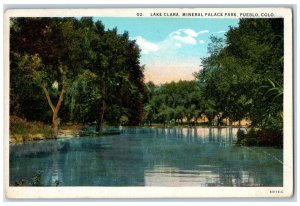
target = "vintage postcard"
x: 149, y: 103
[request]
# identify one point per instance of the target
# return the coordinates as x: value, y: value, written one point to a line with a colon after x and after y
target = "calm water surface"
x: 149, y: 157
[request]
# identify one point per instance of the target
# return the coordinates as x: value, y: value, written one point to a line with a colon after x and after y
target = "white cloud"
x: 219, y: 32
x: 173, y: 58
x: 190, y: 32
x: 172, y: 42
x: 186, y: 36
x: 145, y: 46
x: 203, y: 31
x: 185, y: 39
x: 201, y: 41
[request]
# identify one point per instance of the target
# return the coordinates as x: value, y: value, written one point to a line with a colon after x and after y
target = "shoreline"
x: 75, y: 131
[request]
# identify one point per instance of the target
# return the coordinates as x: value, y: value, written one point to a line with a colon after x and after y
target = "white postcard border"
x: 159, y: 192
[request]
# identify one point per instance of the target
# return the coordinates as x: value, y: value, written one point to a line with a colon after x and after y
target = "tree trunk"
x: 54, y: 125
x: 210, y: 121
x: 196, y: 121
x: 219, y: 120
x: 54, y: 109
x: 101, y: 116
x: 100, y: 120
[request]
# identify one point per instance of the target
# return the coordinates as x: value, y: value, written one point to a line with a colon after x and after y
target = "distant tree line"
x: 242, y: 77
x: 72, y: 69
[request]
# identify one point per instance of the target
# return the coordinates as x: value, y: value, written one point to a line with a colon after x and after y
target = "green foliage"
x: 98, y: 70
x: 83, y: 97
x: 275, y: 90
x: 172, y: 102
x: 241, y: 77
x: 260, y: 137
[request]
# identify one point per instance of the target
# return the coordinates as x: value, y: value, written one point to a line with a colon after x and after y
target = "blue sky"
x: 171, y: 47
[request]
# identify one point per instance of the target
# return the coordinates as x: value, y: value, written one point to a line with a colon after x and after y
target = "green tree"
x: 120, y: 77
x: 236, y: 71
x: 40, y: 47
x: 82, y: 71
x: 83, y: 97
x: 212, y: 83
x: 174, y: 101
x: 256, y: 47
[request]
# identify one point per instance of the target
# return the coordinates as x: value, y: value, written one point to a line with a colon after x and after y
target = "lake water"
x: 149, y: 157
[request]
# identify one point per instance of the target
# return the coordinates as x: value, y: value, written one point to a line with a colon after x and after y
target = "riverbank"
x: 37, y: 131
x: 22, y: 130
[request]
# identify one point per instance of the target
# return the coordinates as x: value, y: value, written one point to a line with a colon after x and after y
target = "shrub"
x: 22, y: 130
x: 260, y: 137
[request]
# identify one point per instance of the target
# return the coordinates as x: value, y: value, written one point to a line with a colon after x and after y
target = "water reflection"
x: 221, y: 136
x: 149, y: 157
x: 209, y: 176
x: 172, y: 176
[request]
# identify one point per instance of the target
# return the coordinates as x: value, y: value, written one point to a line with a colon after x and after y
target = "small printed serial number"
x: 276, y: 191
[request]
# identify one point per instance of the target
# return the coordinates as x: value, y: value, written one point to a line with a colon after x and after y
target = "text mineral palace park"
x: 191, y: 14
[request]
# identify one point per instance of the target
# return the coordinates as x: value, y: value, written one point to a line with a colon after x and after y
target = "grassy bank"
x: 69, y: 130
x: 22, y: 130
